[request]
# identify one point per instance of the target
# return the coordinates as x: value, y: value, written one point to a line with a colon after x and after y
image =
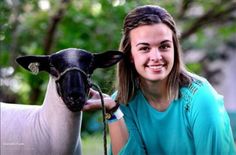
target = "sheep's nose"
x: 77, y: 99
x: 75, y: 103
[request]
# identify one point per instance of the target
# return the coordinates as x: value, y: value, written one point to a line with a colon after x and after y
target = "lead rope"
x: 103, y: 118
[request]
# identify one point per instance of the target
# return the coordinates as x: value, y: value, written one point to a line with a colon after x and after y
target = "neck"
x: 156, y: 94
x: 63, y: 124
x: 52, y: 100
x: 54, y: 105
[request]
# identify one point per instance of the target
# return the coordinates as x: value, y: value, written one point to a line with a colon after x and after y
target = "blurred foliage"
x: 95, y: 26
x: 93, y: 144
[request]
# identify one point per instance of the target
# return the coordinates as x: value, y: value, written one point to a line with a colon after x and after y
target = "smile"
x: 155, y: 67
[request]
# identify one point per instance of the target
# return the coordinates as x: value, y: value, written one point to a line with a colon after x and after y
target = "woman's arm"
x: 210, y: 123
x: 117, y: 129
x: 124, y: 134
x: 119, y: 135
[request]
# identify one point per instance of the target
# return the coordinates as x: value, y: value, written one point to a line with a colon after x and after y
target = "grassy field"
x: 93, y: 144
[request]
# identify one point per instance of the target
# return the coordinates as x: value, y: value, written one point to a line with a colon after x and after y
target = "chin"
x: 157, y: 78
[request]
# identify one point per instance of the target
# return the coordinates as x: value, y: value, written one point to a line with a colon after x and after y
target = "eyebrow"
x: 144, y: 43
x: 165, y: 41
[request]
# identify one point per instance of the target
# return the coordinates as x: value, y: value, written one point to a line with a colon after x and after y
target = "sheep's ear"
x: 34, y: 64
x: 107, y: 59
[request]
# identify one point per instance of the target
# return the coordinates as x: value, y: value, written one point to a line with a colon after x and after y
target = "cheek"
x: 136, y: 57
x: 139, y: 64
x: 136, y: 60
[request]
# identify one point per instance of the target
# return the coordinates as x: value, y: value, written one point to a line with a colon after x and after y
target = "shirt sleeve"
x: 210, y: 123
x: 134, y: 145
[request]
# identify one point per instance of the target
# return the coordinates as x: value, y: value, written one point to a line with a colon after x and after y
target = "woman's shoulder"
x: 199, y: 86
x: 200, y: 92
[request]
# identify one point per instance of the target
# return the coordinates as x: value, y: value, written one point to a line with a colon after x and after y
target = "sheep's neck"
x: 52, y: 100
x: 63, y: 124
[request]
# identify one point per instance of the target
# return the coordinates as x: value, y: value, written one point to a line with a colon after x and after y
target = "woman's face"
x: 152, y: 51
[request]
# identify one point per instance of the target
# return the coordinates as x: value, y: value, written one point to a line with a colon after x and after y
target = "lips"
x: 155, y: 68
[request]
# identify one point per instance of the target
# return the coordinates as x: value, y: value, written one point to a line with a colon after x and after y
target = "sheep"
x: 53, y: 127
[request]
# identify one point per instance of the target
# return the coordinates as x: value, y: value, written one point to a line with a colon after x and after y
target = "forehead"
x: 71, y: 56
x: 154, y: 33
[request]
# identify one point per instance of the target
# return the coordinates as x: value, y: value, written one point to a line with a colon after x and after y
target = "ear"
x: 107, y: 59
x: 34, y: 63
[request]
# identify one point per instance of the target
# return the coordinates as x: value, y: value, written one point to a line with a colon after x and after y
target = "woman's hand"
x: 94, y: 101
x: 118, y: 130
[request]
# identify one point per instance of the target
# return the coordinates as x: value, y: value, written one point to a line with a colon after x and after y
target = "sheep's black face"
x: 71, y: 69
x: 73, y: 88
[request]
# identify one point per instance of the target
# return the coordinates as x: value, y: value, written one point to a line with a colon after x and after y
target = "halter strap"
x: 71, y: 69
x: 67, y: 70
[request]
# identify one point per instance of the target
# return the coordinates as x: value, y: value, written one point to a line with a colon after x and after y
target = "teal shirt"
x: 195, y: 123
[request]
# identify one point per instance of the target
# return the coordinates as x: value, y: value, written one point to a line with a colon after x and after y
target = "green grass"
x: 93, y: 144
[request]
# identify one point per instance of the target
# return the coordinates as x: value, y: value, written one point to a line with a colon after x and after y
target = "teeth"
x: 155, y: 67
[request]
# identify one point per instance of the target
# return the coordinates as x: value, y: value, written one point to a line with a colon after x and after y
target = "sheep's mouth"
x: 75, y: 105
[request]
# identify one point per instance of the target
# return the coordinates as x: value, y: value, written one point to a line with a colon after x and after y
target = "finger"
x: 96, y: 104
x: 92, y: 104
x: 92, y: 93
x: 95, y: 94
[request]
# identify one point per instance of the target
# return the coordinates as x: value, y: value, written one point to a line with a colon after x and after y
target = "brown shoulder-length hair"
x: 126, y: 73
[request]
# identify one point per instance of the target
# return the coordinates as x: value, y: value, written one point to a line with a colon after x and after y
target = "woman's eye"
x: 165, y: 46
x: 145, y: 49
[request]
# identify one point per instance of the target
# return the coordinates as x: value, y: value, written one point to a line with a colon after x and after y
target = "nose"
x: 155, y: 55
x: 77, y: 98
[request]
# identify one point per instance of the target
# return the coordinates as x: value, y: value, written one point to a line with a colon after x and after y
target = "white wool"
x: 47, y: 129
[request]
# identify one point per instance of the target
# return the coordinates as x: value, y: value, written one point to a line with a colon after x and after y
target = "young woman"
x: 160, y: 107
